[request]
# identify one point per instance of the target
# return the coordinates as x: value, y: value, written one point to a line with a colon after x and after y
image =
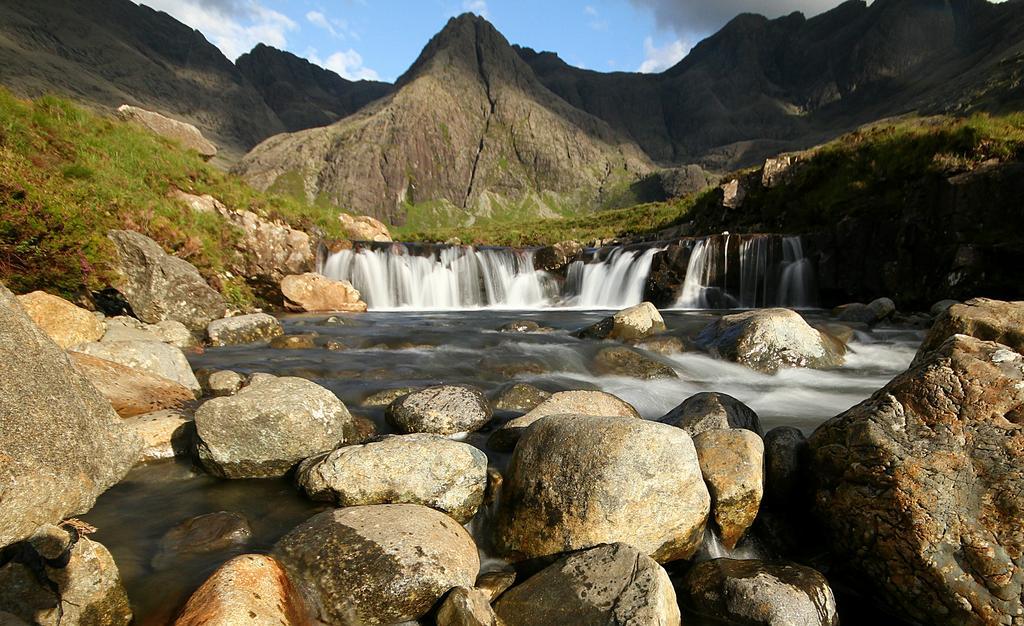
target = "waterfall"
x: 617, y: 282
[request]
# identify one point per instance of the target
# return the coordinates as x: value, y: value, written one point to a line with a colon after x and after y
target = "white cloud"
x: 346, y: 63
x: 590, y: 10
x: 660, y: 59
x: 475, y: 6
x: 337, y: 28
x: 593, y: 19
x: 234, y: 26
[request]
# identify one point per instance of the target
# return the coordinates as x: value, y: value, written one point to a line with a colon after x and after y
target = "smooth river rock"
x: 243, y: 329
x: 706, y: 411
x: 609, y: 584
x: 202, y: 534
x: 153, y: 357
x: 68, y: 325
x: 314, y: 293
x: 769, y: 339
x: 378, y: 564
x: 248, y: 589
x: 426, y: 469
x: 165, y: 434
x: 989, y: 320
x: 443, y: 410
x: 636, y: 322
x: 581, y: 402
x: 918, y: 487
x: 623, y: 361
x: 268, y: 427
x: 131, y: 391
x: 520, y: 397
x: 732, y: 462
x: 578, y: 481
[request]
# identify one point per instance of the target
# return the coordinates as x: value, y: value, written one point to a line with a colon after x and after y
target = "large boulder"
x: 636, y: 322
x: 769, y: 339
x: 732, y: 462
x: 578, y: 481
x: 267, y: 251
x: 610, y: 584
x: 623, y: 361
x: 918, y: 487
x: 184, y: 133
x: 61, y: 443
x: 315, y: 293
x: 248, y: 589
x: 443, y: 410
x: 431, y: 470
x: 710, y: 410
x: 364, y: 228
x: 153, y: 357
x: 989, y: 320
x: 378, y: 564
x: 65, y: 323
x: 164, y: 434
x: 268, y: 427
x: 466, y: 606
x: 242, y: 329
x: 579, y: 402
x: 159, y: 286
x: 131, y: 391
x: 555, y: 258
x: 754, y: 593
x: 123, y: 328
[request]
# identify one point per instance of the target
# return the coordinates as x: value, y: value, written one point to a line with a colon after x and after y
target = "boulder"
x: 636, y: 322
x: 593, y: 403
x: 387, y: 396
x: 576, y: 481
x: 203, y: 534
x: 268, y: 427
x: 706, y: 411
x: 248, y: 589
x: 184, y: 133
x: 883, y: 308
x: 665, y: 345
x: 523, y: 326
x: 495, y: 583
x: 443, y: 410
x: 161, y: 287
x: 267, y: 251
x: 123, y: 328
x: 164, y: 434
x: 314, y: 293
x: 431, y: 470
x: 131, y: 391
x: 294, y: 342
x: 989, y: 320
x: 754, y: 593
x: 732, y: 463
x: 378, y: 564
x: 941, y: 307
x: 66, y: 324
x: 769, y: 339
x: 785, y: 466
x: 917, y: 487
x: 520, y: 397
x: 152, y: 357
x: 778, y: 170
x: 61, y: 444
x: 364, y: 228
x: 734, y: 192
x: 242, y: 329
x: 555, y: 258
x: 224, y: 383
x: 77, y: 583
x: 609, y: 584
x: 871, y: 313
x: 622, y: 361
x: 466, y: 606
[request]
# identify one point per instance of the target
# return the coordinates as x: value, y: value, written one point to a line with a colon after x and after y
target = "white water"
x: 614, y: 283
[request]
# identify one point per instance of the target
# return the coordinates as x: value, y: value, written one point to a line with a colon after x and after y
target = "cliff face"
x: 113, y: 52
x: 469, y: 128
x: 304, y: 95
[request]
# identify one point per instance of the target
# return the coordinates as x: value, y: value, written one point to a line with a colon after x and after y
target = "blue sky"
x: 379, y: 39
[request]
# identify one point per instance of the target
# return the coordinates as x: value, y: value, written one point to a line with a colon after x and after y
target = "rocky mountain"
x: 760, y: 86
x: 304, y: 95
x: 113, y: 52
x: 468, y: 130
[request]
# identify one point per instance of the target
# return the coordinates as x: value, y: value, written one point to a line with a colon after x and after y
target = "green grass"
x: 68, y: 175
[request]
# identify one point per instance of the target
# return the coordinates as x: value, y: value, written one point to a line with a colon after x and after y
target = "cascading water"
x: 616, y: 282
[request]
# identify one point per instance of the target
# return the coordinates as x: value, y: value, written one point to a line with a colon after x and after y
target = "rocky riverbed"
x: 484, y: 467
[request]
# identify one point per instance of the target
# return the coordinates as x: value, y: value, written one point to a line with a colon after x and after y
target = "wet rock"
x: 61, y: 444
x: 466, y: 606
x: 131, y: 391
x: 248, y: 589
x: 495, y: 583
x: 512, y: 369
x: 636, y: 322
x: 183, y: 133
x: 164, y: 434
x: 431, y: 470
x: 917, y: 486
x: 576, y: 481
x: 268, y: 427
x: 609, y: 584
x: 732, y: 463
x: 769, y: 339
x: 124, y: 328
x: 224, y: 383
x: 443, y: 410
x: 593, y: 403
x: 555, y: 258
x: 856, y: 312
x: 666, y: 345
x: 160, y: 286
x: 785, y: 465
x: 524, y: 326
x: 335, y: 346
x: 244, y: 329
x: 380, y: 564
x: 387, y: 396
x: 364, y: 228
x: 941, y: 307
x: 294, y: 342
x: 520, y: 397
x: 621, y: 361
x: 844, y: 333
x: 988, y: 320
x: 66, y: 324
x: 315, y: 293
x: 202, y: 534
x: 706, y: 411
x: 754, y: 593
x: 153, y: 357
x: 883, y: 308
